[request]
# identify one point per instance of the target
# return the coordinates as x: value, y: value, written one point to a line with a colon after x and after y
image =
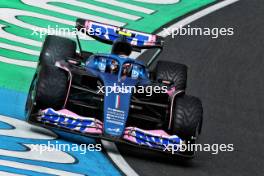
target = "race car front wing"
x: 69, y: 121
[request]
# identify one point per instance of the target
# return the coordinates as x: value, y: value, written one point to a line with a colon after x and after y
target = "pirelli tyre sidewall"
x: 57, y: 48
x: 31, y: 97
x: 187, y: 117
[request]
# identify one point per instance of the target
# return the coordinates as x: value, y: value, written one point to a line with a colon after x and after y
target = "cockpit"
x: 115, y: 65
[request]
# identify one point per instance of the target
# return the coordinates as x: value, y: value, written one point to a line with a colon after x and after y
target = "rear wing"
x: 109, y: 33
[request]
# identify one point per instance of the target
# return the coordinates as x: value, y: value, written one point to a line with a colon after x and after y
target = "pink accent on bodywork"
x: 68, y: 113
x: 171, y: 91
x: 128, y: 134
x: 157, y: 133
x: 58, y: 64
x: 87, y: 24
x: 129, y: 138
x: 153, y: 39
x: 94, y: 131
x: 174, y: 94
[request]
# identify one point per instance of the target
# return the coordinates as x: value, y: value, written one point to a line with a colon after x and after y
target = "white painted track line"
x: 115, y: 156
x: 36, y: 168
x: 9, y: 174
x: 18, y: 62
x: 127, y: 6
x: 44, y: 5
x: 19, y: 49
x: 87, y: 6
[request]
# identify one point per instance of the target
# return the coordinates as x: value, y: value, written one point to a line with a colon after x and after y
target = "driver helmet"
x: 121, y: 47
x: 114, y: 66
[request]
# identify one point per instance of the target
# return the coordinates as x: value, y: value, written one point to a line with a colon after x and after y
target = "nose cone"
x: 116, y: 104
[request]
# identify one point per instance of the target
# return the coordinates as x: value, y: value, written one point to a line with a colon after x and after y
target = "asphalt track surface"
x: 227, y: 74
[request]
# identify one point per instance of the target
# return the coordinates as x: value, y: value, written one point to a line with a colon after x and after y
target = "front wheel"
x: 31, y: 97
x: 188, y: 117
x: 52, y: 87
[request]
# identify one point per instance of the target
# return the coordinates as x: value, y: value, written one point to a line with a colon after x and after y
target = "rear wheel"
x: 57, y: 48
x: 188, y: 114
x: 172, y: 73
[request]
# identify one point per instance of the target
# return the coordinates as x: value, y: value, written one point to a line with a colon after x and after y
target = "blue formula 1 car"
x: 112, y: 96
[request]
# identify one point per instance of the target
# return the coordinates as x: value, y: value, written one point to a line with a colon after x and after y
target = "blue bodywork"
x: 117, y: 103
